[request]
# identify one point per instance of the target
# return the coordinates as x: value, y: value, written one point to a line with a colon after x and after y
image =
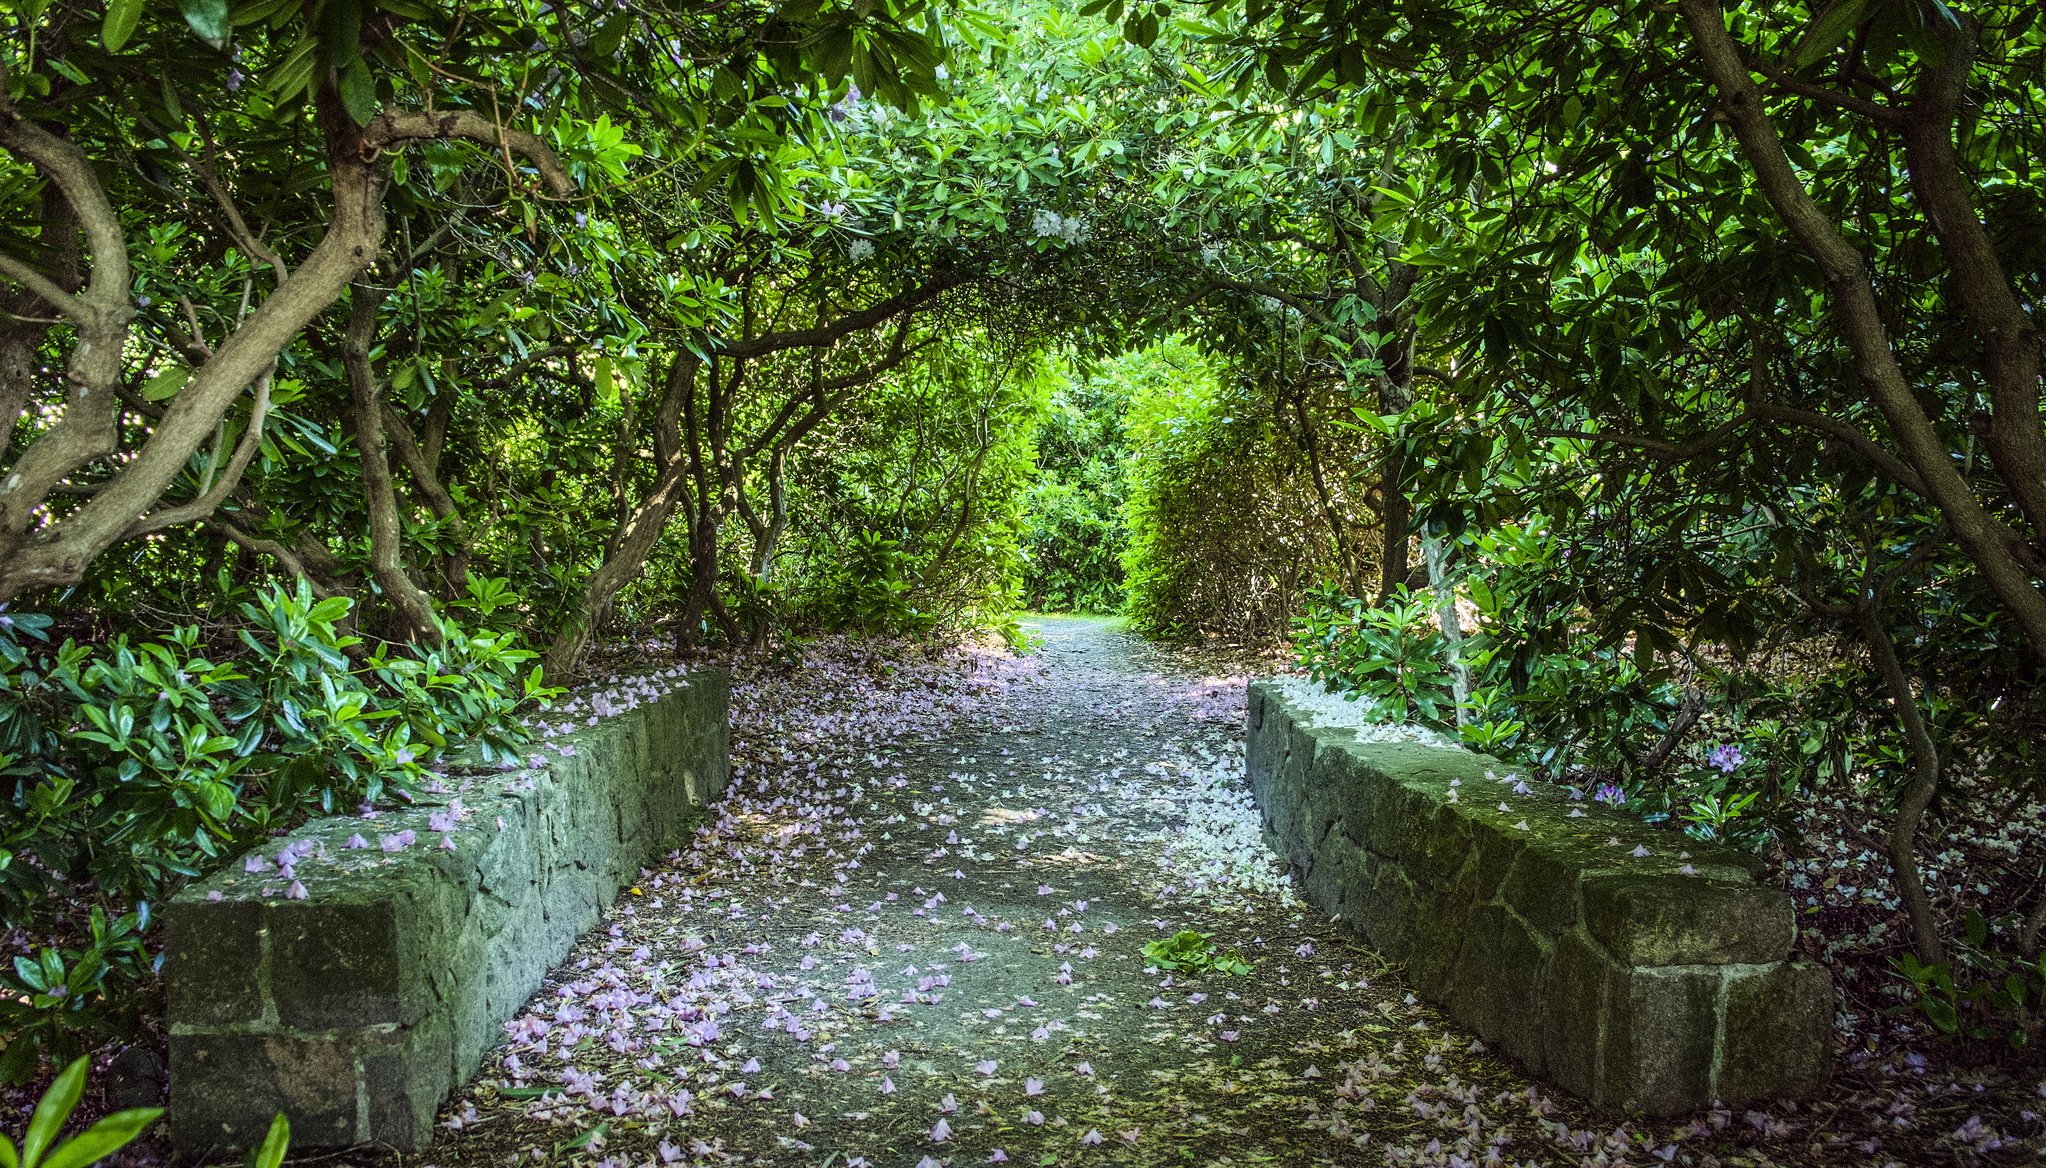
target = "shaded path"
x: 914, y: 939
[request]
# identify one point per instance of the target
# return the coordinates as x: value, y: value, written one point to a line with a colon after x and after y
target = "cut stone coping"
x: 1642, y: 971
x: 357, y: 1000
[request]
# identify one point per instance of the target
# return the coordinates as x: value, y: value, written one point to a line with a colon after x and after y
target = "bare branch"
x: 1782, y: 78
x: 852, y: 322
x: 51, y: 293
x: 1847, y: 433
x: 231, y: 477
x: 394, y: 127
x: 222, y: 526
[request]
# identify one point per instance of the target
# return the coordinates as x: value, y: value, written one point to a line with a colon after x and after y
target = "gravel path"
x: 914, y: 937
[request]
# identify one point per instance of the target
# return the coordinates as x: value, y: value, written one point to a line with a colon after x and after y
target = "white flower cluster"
x: 860, y: 251
x: 1335, y: 711
x: 1051, y: 224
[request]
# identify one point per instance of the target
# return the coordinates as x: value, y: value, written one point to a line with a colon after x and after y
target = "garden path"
x: 913, y: 938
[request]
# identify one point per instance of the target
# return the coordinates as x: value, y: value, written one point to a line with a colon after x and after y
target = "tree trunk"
x: 703, y: 577
x: 2015, y: 437
x: 1902, y: 840
x: 414, y: 619
x: 36, y: 551
x: 1395, y: 394
x: 23, y: 318
x: 1452, y: 624
x: 1396, y: 515
x: 455, y: 571
x: 1998, y: 553
x: 630, y: 546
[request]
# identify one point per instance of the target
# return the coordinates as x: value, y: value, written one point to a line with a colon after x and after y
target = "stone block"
x: 1668, y: 919
x: 1542, y: 887
x: 1591, y: 960
x: 343, y: 963
x: 1393, y: 913
x: 1325, y: 883
x: 1571, y: 999
x: 226, y: 1088
x: 404, y: 1079
x: 1659, y: 1041
x: 1491, y: 856
x: 1494, y: 979
x: 217, y: 977
x: 1776, y: 1033
x: 1440, y: 922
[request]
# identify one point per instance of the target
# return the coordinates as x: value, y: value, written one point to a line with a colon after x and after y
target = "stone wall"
x: 358, y: 999
x: 1632, y: 967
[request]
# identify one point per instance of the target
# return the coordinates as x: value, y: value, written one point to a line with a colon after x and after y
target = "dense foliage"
x: 1074, y: 512
x: 1227, y: 529
x: 138, y: 763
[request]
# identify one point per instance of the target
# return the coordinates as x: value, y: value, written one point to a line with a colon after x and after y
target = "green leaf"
x: 289, y: 77
x: 18, y: 1060
x: 1976, y: 928
x: 51, y: 1113
x: 254, y: 11
x: 275, y: 1144
x: 30, y: 973
x: 1830, y: 29
x: 103, y: 1139
x: 611, y: 34
x: 359, y: 92
x: 341, y: 32
x: 167, y: 382
x: 119, y: 24
x: 210, y: 20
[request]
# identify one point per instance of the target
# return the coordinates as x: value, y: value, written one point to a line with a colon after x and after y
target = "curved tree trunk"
x: 415, y: 621
x: 630, y: 546
x: 1902, y: 841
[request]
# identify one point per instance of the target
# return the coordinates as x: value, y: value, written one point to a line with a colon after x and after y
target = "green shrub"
x: 1983, y: 993
x: 39, y: 1147
x: 872, y: 591
x: 133, y: 766
x: 1074, y: 530
x: 1190, y: 951
x: 1226, y: 533
x: 1700, y: 747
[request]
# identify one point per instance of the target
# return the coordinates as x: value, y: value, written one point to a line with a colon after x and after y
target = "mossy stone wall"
x: 358, y: 1008
x: 1651, y: 983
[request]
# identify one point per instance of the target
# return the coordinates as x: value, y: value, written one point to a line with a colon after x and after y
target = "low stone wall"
x: 1638, y: 970
x: 357, y: 990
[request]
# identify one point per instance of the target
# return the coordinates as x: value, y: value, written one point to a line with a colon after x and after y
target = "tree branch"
x: 852, y: 322
x: 1784, y: 80
x: 211, y: 498
x: 394, y: 127
x: 45, y: 288
x: 1847, y: 433
x: 1859, y: 319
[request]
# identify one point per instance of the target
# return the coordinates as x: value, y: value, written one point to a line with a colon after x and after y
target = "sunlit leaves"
x: 208, y: 20
x: 119, y: 24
